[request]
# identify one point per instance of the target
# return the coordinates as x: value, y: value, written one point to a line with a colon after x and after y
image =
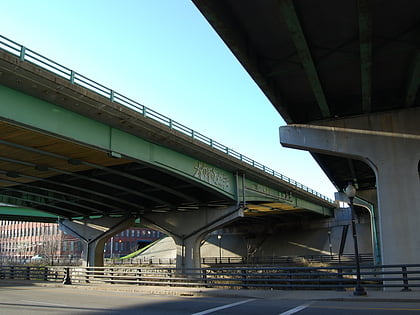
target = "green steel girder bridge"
x: 72, y: 148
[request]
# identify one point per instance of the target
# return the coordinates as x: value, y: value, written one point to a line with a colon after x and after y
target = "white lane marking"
x: 296, y: 309
x: 211, y: 310
x: 42, y: 303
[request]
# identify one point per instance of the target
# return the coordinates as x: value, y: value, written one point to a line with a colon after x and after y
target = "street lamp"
x: 219, y: 237
x: 350, y: 191
x: 329, y: 243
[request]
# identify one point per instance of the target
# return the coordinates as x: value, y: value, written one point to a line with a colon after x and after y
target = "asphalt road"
x: 23, y: 300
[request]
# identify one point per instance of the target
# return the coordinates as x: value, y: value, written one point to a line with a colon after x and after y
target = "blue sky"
x: 163, y: 54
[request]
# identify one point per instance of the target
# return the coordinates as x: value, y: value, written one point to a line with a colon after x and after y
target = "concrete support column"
x: 398, y: 188
x: 94, y: 233
x: 188, y: 252
x: 189, y: 228
x: 394, y: 157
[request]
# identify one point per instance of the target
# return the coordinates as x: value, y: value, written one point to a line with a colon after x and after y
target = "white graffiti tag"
x: 212, y: 176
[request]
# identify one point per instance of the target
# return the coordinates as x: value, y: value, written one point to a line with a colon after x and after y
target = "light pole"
x: 112, y: 248
x: 329, y: 243
x: 350, y: 191
x: 219, y: 237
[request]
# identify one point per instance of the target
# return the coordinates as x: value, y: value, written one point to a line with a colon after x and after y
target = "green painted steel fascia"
x: 27, y: 110
x: 131, y: 145
x: 26, y: 212
x: 301, y: 203
x: 30, y: 111
x: 210, y: 175
x: 174, y: 161
x: 257, y: 192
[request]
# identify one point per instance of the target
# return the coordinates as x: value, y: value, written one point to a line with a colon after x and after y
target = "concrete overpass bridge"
x: 345, y: 77
x: 97, y: 161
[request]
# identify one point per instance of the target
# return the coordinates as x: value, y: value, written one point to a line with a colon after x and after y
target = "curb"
x: 208, y: 292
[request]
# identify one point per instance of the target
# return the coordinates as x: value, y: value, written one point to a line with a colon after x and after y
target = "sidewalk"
x: 391, y: 295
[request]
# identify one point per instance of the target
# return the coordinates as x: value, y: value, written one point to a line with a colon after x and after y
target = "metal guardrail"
x: 304, y: 260
x: 29, y: 55
x: 64, y: 260
x: 338, y: 277
x: 32, y: 273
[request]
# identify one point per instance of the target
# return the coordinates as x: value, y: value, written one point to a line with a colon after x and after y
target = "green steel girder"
x: 365, y: 38
x: 87, y: 178
x: 64, y: 195
x: 305, y: 204
x: 26, y: 214
x: 255, y: 192
x: 100, y: 167
x: 81, y: 189
x: 298, y: 37
x: 50, y: 197
x: 28, y: 200
x: 413, y: 81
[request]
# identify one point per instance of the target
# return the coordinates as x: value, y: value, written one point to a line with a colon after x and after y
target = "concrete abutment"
x: 394, y: 157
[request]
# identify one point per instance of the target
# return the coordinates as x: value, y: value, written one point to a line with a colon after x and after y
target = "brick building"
x: 24, y: 242
x: 129, y: 241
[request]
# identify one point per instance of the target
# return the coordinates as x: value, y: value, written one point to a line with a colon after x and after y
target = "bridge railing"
x: 29, y: 55
x: 337, y: 277
x: 303, y: 260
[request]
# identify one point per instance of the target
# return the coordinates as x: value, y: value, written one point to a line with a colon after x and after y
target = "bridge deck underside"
x: 67, y: 179
x: 274, y: 212
x: 39, y: 171
x: 326, y: 60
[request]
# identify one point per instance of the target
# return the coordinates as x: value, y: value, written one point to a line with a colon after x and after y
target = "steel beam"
x: 11, y: 213
x: 61, y: 210
x: 89, y: 179
x: 365, y: 40
x: 62, y: 193
x: 49, y: 197
x: 413, y: 81
x: 85, y: 190
x: 106, y: 169
x: 298, y: 37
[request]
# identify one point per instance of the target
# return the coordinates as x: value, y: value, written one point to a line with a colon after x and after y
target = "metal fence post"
x: 139, y: 276
x: 87, y: 273
x: 405, y: 280
x: 22, y: 53
x: 205, y: 278
x: 111, y: 275
x: 67, y: 279
x: 45, y: 273
x: 28, y: 273
x: 244, y: 279
x: 340, y: 283
x: 72, y: 75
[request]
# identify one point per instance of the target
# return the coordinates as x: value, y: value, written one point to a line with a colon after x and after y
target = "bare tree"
x: 51, y: 245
